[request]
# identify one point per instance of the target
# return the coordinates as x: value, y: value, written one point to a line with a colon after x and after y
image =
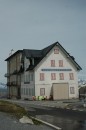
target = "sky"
x: 35, y: 24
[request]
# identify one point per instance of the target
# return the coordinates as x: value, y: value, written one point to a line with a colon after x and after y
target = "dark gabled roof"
x: 29, y: 53
x: 19, y: 51
x: 70, y: 57
x: 42, y: 53
x: 47, y: 49
x: 38, y: 55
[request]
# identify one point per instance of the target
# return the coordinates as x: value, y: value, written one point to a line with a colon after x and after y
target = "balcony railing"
x: 21, y: 70
x: 7, y: 75
x: 8, y: 83
x: 13, y: 83
x: 15, y: 72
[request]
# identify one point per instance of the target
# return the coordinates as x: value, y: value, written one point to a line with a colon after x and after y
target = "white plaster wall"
x: 46, y: 64
x: 47, y: 89
x: 27, y: 86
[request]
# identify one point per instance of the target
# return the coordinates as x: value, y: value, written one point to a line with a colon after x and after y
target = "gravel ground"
x: 8, y: 122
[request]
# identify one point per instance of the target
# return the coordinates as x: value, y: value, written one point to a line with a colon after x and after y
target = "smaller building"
x: 13, y: 75
x: 82, y: 91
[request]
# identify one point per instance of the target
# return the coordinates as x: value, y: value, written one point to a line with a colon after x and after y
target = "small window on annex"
x: 31, y: 76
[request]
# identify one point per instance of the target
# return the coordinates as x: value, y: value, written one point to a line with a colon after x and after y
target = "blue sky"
x: 35, y: 24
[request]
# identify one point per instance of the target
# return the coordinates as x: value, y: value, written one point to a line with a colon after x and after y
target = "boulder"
x: 26, y: 120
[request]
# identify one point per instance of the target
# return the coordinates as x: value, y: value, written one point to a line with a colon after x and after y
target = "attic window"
x: 56, y: 51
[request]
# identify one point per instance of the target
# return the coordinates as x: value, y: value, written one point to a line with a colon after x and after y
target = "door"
x: 60, y: 91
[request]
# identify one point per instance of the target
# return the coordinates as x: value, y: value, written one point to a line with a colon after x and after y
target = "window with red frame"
x: 41, y: 76
x: 60, y: 63
x: 61, y: 75
x: 71, y: 76
x: 56, y: 51
x: 53, y: 76
x: 52, y: 63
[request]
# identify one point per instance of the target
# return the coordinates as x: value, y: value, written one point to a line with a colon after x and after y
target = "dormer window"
x: 32, y: 61
x: 26, y: 63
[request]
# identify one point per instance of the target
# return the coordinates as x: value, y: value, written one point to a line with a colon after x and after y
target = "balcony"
x: 7, y: 75
x: 14, y: 83
x: 15, y: 72
x: 21, y: 70
x: 8, y: 83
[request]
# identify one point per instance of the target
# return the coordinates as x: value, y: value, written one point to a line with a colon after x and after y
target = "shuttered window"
x: 60, y: 63
x: 71, y: 76
x: 61, y: 76
x: 41, y: 76
x: 53, y: 76
x: 52, y: 63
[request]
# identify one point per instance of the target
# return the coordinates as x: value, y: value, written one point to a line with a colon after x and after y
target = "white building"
x: 50, y: 71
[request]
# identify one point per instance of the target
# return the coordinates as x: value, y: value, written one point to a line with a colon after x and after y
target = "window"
x: 56, y: 51
x: 61, y: 75
x: 41, y: 76
x: 60, y: 63
x: 32, y: 91
x: 42, y: 91
x: 27, y: 78
x: 72, y: 90
x: 31, y: 77
x: 22, y: 91
x: 52, y: 63
x: 26, y: 91
x: 26, y: 65
x: 71, y: 76
x: 53, y: 76
x: 22, y: 78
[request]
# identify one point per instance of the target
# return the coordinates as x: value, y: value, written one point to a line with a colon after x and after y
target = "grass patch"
x: 36, y: 122
x: 13, y: 109
x: 16, y: 110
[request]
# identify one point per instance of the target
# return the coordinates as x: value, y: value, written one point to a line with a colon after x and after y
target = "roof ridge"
x: 31, y: 49
x: 50, y: 45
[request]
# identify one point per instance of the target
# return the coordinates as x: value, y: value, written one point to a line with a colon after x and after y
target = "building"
x: 14, y: 75
x: 82, y: 91
x: 46, y: 72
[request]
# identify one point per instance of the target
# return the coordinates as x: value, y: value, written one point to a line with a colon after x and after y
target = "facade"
x: 49, y: 72
x: 14, y: 75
